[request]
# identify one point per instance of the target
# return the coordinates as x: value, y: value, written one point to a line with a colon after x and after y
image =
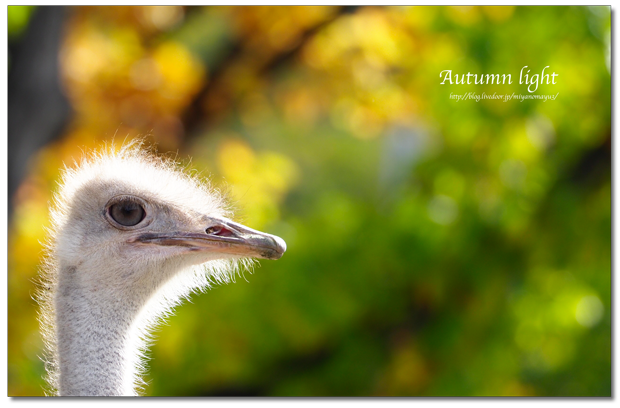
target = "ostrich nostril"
x: 212, y: 230
x: 219, y: 230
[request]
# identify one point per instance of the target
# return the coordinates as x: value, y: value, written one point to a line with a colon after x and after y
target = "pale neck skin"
x: 95, y: 340
x: 101, y: 324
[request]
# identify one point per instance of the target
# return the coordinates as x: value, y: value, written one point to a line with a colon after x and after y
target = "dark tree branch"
x: 195, y: 118
x: 288, y: 56
x: 37, y: 108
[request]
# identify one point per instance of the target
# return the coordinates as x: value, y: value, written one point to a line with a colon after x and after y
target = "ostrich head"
x: 131, y: 236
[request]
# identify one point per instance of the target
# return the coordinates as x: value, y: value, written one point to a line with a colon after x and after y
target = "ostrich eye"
x: 127, y: 213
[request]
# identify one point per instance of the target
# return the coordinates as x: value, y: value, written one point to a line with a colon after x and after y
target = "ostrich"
x: 131, y: 236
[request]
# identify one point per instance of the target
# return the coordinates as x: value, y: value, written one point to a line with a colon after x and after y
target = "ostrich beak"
x: 224, y: 236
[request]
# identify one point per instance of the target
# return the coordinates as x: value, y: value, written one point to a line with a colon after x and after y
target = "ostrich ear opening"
x: 221, y: 236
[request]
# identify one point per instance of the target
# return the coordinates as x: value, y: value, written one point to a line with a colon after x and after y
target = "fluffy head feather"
x: 85, y: 255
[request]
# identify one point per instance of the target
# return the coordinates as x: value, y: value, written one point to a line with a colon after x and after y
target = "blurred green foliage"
x: 435, y: 247
x: 17, y: 19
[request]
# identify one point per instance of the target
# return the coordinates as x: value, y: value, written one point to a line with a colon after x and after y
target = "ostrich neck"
x: 98, y: 337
